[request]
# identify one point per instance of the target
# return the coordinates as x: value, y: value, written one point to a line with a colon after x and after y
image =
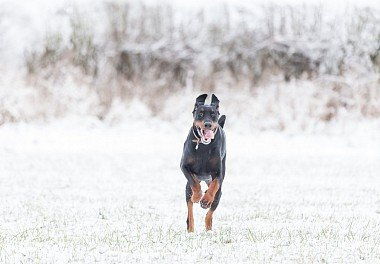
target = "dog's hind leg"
x: 208, y: 220
x: 214, y: 205
x: 190, y: 216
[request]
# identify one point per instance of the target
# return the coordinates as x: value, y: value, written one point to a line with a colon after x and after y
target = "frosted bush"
x: 299, y: 64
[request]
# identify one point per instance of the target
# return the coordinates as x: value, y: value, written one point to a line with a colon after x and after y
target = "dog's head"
x: 206, y: 116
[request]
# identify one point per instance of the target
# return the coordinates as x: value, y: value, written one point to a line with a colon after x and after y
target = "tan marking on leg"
x: 190, y: 217
x: 208, y: 220
x: 213, y: 187
x: 209, y: 196
x: 196, y: 192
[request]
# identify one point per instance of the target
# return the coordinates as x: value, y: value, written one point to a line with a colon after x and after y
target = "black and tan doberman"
x: 204, y: 159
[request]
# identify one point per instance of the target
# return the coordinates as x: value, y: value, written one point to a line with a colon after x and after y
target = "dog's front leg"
x: 209, y: 196
x: 196, y: 191
x: 210, y: 200
x: 217, y: 176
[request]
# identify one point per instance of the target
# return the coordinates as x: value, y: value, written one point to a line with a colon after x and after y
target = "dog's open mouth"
x: 206, y: 134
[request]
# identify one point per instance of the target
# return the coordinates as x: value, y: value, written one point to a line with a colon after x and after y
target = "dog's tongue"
x: 209, y: 134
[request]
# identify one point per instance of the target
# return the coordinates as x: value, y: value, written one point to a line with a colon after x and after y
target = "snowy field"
x: 92, y: 124
x: 116, y: 195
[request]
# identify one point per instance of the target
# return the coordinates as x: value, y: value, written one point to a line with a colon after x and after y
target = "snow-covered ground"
x: 86, y: 193
x: 74, y: 189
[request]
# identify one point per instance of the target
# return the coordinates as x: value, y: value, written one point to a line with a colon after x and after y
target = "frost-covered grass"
x: 116, y: 195
x: 111, y: 190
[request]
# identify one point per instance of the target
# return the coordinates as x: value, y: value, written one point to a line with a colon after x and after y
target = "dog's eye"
x: 200, y: 115
x: 213, y: 115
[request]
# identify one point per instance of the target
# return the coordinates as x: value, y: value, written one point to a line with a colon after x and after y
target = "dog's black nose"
x: 208, y: 124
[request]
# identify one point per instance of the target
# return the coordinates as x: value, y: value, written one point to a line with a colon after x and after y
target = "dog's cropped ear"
x: 215, y: 102
x: 199, y: 101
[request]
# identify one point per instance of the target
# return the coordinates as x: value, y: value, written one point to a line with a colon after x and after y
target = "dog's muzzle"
x: 206, y: 135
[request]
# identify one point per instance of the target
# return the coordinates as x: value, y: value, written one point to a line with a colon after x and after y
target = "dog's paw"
x: 206, y: 201
x: 196, y: 197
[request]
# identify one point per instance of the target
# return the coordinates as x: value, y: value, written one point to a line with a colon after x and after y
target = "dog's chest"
x: 203, y: 168
x: 204, y: 177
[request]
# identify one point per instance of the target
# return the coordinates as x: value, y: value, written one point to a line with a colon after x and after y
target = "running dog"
x: 204, y: 159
